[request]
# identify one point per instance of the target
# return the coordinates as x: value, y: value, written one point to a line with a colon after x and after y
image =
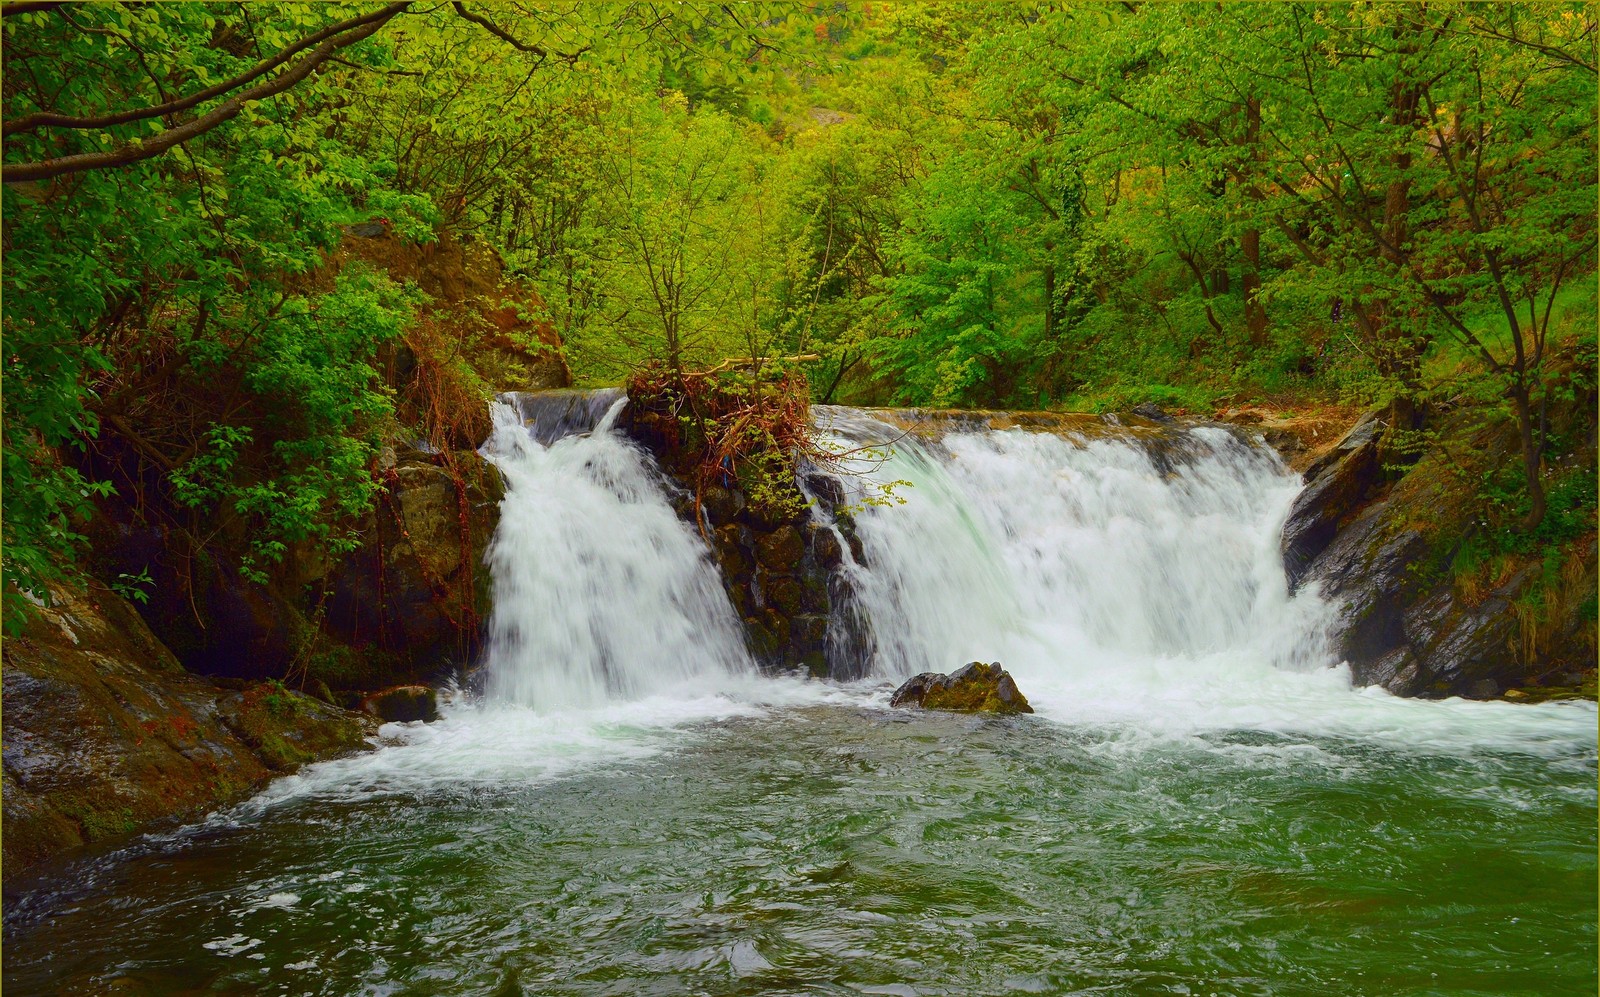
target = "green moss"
x: 97, y: 819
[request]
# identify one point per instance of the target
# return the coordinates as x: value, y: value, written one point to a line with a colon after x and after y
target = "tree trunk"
x: 1255, y: 313
x: 1530, y: 453
x: 1400, y: 352
x: 1049, y: 302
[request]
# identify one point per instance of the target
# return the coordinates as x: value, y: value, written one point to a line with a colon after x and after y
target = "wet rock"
x: 1409, y: 617
x: 1152, y: 411
x: 1366, y: 570
x: 287, y: 729
x: 976, y: 687
x: 825, y: 546
x: 858, y: 552
x: 1337, y: 484
x: 808, y: 636
x: 105, y: 734
x: 722, y: 504
x: 764, y: 644
x: 415, y: 594
x: 785, y: 594
x: 827, y: 490
x: 403, y: 703
x: 734, y: 552
x: 781, y: 549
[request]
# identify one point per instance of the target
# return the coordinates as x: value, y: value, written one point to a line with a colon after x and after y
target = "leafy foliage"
x: 1022, y: 205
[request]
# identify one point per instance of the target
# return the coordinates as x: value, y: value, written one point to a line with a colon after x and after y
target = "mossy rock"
x: 974, y: 688
x: 403, y: 704
x: 780, y: 550
x: 784, y: 593
x: 287, y: 729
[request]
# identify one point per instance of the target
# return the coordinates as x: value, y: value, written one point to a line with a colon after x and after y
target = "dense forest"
x: 1030, y: 206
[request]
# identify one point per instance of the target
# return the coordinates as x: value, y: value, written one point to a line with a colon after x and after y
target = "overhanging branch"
x: 133, y: 152
x: 48, y: 119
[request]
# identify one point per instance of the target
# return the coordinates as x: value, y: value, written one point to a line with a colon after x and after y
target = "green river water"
x: 1203, y: 804
x: 837, y: 847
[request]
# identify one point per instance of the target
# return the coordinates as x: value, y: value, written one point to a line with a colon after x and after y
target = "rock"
x: 808, y: 637
x: 105, y: 734
x: 287, y: 729
x: 403, y: 703
x: 368, y: 230
x: 781, y: 549
x: 976, y: 687
x: 1337, y: 484
x: 1366, y: 570
x: 413, y: 597
x: 1152, y: 411
x: 825, y: 546
x: 784, y: 594
x: 722, y: 504
x: 1412, y: 616
x: 201, y: 609
x: 827, y: 490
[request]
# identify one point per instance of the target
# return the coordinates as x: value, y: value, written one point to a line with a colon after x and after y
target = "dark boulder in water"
x: 403, y: 703
x: 973, y: 688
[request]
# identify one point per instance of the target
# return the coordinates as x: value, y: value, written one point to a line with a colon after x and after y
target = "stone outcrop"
x: 406, y: 606
x: 411, y: 601
x: 403, y: 703
x: 780, y: 563
x: 105, y: 733
x: 973, y: 688
x: 1409, y: 619
x: 1337, y: 484
x: 777, y: 576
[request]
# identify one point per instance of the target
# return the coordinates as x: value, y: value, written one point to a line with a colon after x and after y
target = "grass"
x: 1574, y: 313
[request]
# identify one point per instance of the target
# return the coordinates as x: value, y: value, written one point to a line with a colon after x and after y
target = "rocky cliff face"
x: 105, y: 733
x: 410, y: 603
x: 406, y: 606
x: 1422, y: 614
x: 780, y: 563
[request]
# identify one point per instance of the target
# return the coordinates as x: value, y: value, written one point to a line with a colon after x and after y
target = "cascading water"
x: 601, y: 591
x: 1084, y: 554
x: 1120, y: 577
x: 1201, y: 805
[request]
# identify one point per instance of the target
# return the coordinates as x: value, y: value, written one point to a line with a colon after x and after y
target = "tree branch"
x: 49, y: 119
x: 512, y: 40
x: 133, y: 152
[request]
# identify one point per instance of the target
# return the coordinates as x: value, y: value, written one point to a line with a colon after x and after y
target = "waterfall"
x: 1121, y: 573
x: 601, y: 591
x: 1117, y: 571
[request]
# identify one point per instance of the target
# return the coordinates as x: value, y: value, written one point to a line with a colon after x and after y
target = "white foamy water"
x: 601, y: 592
x: 1121, y: 591
x: 1144, y: 603
x: 488, y: 744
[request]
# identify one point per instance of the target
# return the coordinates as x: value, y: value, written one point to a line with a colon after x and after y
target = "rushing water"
x: 1201, y: 804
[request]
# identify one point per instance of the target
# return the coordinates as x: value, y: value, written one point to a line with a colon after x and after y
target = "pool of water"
x: 802, y: 838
